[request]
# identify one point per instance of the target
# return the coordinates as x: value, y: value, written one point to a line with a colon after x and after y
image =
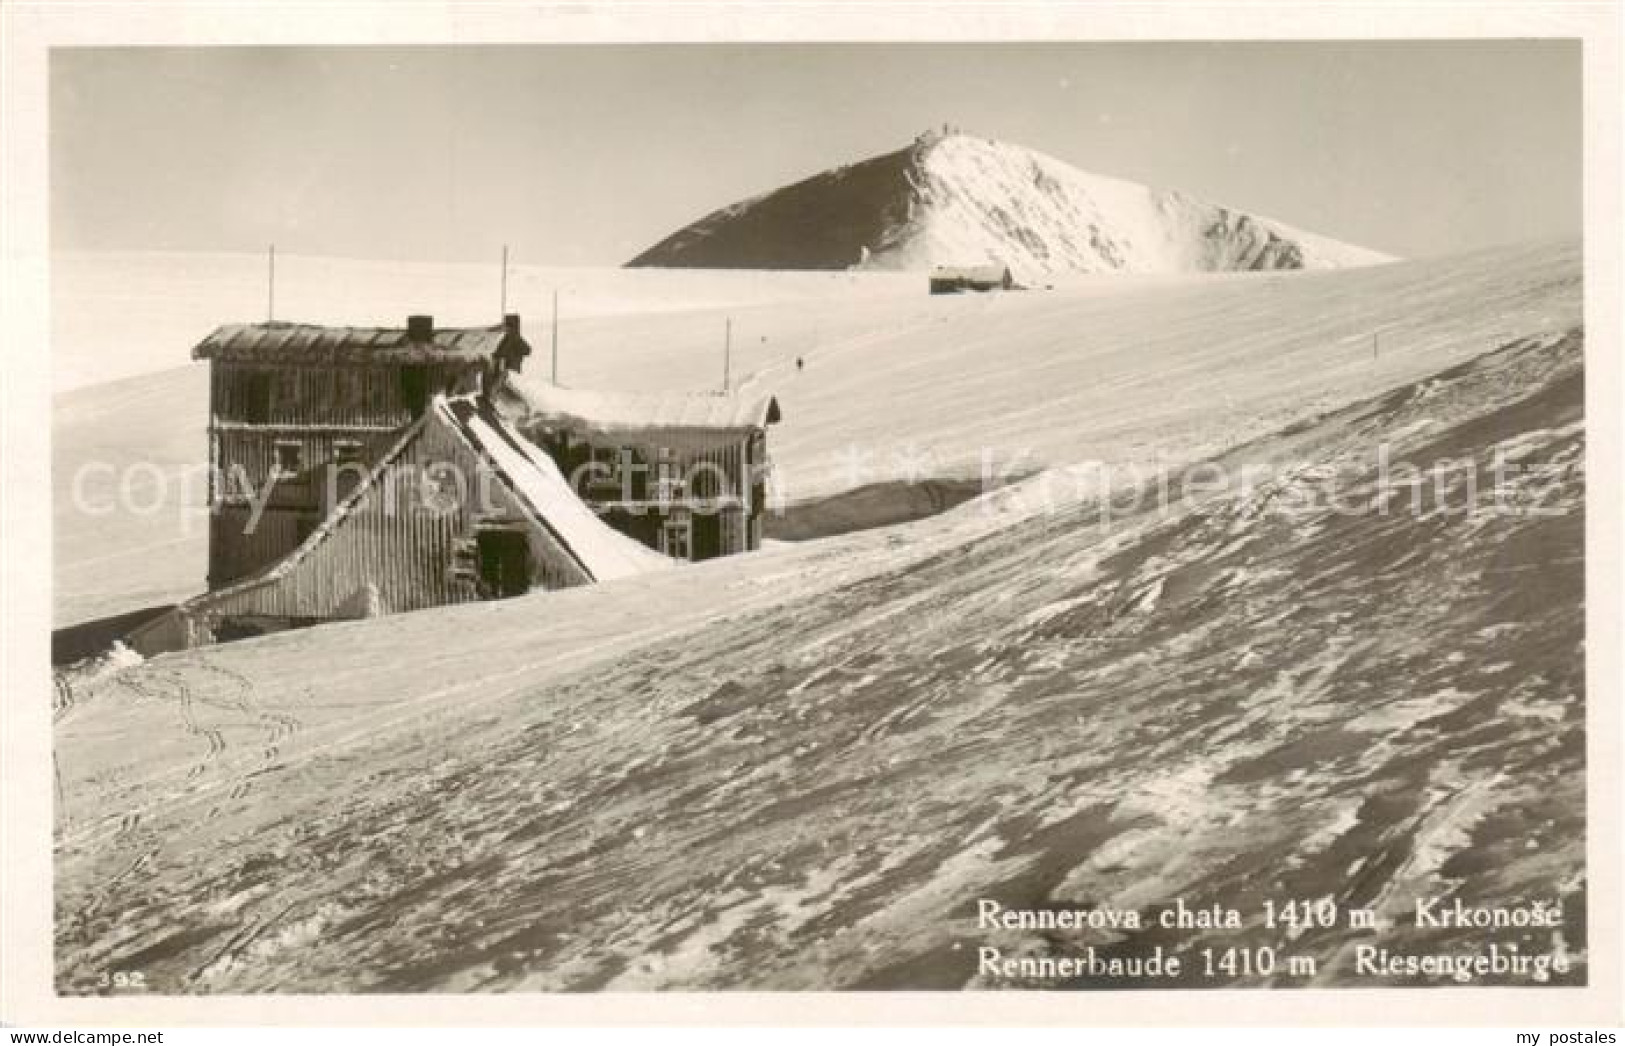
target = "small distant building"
x: 956, y: 279
x: 685, y: 473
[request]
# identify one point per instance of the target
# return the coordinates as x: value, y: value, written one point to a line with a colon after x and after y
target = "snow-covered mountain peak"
x: 955, y: 199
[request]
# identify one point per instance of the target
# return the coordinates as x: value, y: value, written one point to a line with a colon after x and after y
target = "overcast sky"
x: 584, y: 155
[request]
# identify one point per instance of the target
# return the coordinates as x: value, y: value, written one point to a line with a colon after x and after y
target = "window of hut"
x: 415, y: 388
x: 343, y: 390
x: 290, y: 457
x: 674, y: 537
x: 257, y: 397
x: 285, y: 394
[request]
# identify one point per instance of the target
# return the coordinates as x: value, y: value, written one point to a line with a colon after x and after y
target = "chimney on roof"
x: 420, y: 328
x: 513, y: 350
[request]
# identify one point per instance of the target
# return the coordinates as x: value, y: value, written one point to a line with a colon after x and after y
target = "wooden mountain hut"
x: 956, y: 279
x: 363, y: 471
x: 685, y: 473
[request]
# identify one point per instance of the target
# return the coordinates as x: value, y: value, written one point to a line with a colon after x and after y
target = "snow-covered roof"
x: 310, y: 343
x: 541, y: 402
x: 974, y: 273
x: 605, y: 553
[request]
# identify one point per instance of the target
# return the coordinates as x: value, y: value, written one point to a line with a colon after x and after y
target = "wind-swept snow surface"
x: 808, y: 767
x: 1121, y: 370
x: 960, y: 200
x: 161, y: 304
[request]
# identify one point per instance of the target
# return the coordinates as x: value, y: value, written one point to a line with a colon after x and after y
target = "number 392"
x: 122, y: 979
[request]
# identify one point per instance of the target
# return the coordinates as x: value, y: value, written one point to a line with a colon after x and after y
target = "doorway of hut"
x: 504, y: 563
x: 707, y: 535
x: 675, y: 538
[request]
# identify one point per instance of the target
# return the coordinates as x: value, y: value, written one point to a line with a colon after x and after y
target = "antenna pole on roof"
x: 555, y: 336
x: 270, y: 291
x: 504, y: 311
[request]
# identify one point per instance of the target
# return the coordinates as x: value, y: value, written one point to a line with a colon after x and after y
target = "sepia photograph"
x: 817, y: 516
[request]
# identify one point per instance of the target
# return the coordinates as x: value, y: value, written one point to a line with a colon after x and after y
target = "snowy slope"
x: 804, y: 768
x: 959, y: 200
x: 160, y: 304
x: 1118, y: 369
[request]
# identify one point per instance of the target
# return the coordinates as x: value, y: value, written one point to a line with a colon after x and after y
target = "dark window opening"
x: 604, y: 480
x: 257, y: 398
x: 504, y: 563
x: 669, y: 484
x: 707, y: 536
x: 415, y: 388
x: 230, y: 630
x: 674, y: 539
x: 290, y: 458
x: 346, y: 471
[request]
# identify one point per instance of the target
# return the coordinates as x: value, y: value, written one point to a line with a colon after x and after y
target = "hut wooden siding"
x: 322, y: 442
x: 718, y: 462
x: 250, y: 546
x: 713, y: 444
x: 384, y: 550
x: 348, y: 396
x: 293, y: 505
x: 716, y: 472
x: 250, y: 458
x: 291, y: 402
x: 323, y: 418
